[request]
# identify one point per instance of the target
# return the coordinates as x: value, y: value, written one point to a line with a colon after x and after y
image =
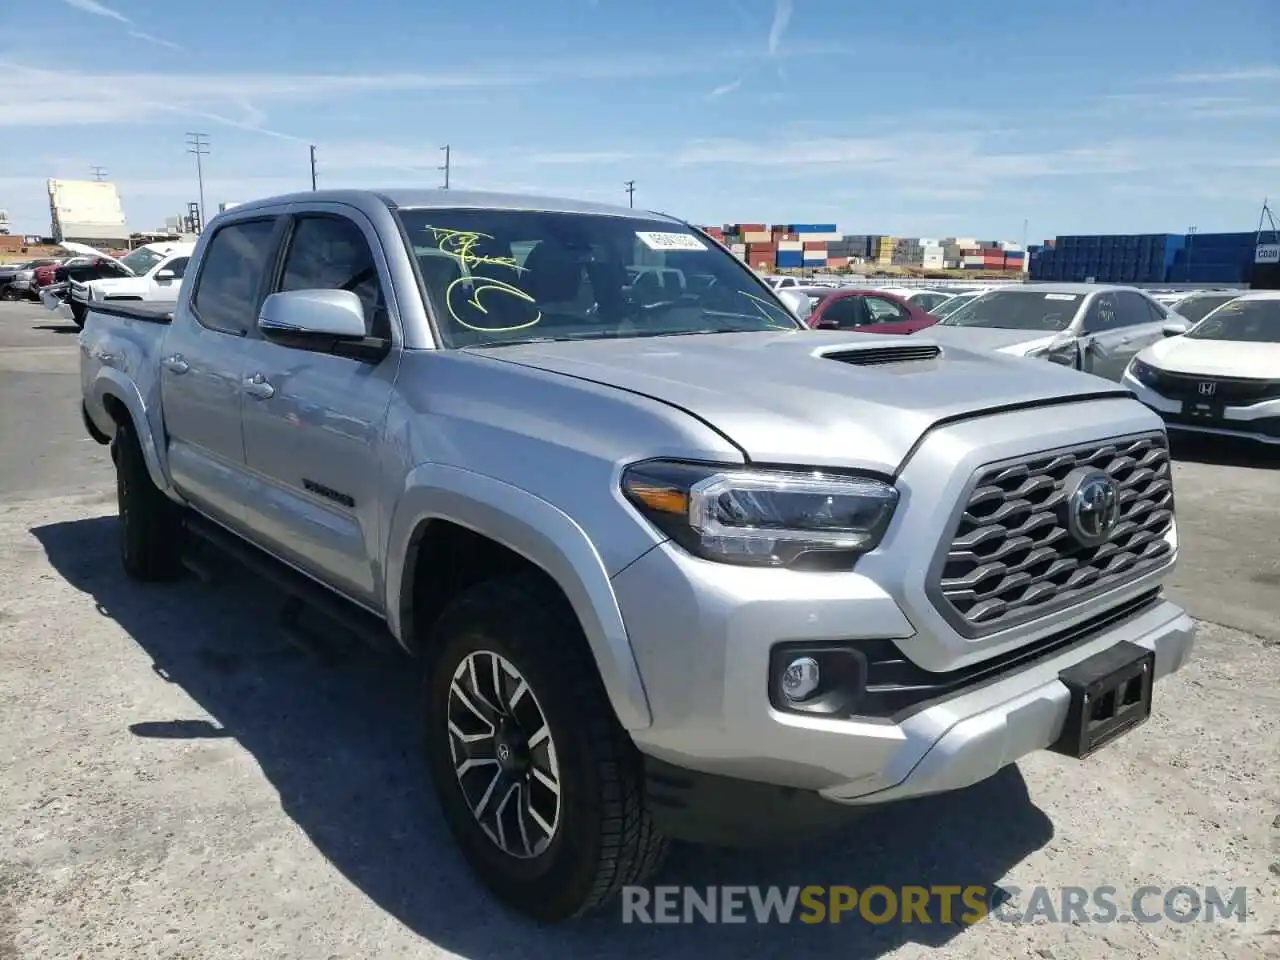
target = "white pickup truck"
x: 154, y: 273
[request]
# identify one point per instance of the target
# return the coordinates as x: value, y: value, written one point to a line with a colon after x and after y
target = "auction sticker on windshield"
x: 1060, y: 296
x: 670, y: 241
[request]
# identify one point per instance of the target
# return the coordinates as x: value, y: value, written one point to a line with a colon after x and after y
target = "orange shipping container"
x: 815, y: 245
x: 837, y: 262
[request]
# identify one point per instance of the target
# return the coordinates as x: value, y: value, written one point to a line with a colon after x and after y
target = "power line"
x: 99, y: 173
x: 445, y: 165
x: 198, y: 144
x: 631, y: 193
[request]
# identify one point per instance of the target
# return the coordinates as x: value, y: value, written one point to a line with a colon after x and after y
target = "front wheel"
x: 78, y: 311
x: 539, y: 784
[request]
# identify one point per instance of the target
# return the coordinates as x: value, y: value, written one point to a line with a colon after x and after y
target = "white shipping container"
x: 757, y: 237
x: 821, y: 236
x: 964, y: 241
x: 930, y: 242
x: 1009, y: 247
x: 738, y: 248
x: 790, y: 245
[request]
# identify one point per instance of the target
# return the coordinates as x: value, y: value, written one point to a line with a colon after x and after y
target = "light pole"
x: 1191, y: 239
x: 445, y: 165
x: 198, y: 143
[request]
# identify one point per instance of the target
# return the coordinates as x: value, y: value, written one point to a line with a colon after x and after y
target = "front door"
x: 202, y: 371
x: 1116, y: 326
x: 166, y: 288
x: 313, y: 425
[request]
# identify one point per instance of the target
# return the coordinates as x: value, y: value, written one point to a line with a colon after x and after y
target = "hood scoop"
x: 884, y: 356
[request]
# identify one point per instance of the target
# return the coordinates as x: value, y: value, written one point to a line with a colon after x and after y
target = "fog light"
x: 801, y: 678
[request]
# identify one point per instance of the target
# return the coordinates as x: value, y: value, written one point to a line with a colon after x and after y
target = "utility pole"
x: 445, y: 166
x: 313, y: 166
x: 631, y: 193
x: 99, y: 173
x: 1191, y: 239
x: 198, y: 143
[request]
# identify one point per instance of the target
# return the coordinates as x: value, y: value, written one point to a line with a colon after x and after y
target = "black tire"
x: 7, y: 294
x: 151, y: 529
x: 78, y: 311
x: 605, y: 838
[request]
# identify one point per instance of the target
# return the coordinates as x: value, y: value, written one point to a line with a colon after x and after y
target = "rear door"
x: 202, y: 368
x: 313, y: 423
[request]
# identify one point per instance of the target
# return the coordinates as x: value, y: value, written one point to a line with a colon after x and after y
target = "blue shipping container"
x: 790, y: 258
x: 812, y: 228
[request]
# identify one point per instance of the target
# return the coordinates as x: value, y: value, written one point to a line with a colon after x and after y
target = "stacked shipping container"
x: 1220, y: 258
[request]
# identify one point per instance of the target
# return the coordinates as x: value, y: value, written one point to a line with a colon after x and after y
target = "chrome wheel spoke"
x: 504, y: 755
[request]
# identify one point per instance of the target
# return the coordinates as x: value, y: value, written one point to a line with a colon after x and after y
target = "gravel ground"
x: 179, y: 780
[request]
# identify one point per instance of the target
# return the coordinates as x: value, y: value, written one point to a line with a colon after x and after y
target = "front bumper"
x: 703, y: 632
x: 1259, y: 422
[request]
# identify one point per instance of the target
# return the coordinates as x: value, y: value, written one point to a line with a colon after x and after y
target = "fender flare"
x: 112, y: 383
x: 542, y: 534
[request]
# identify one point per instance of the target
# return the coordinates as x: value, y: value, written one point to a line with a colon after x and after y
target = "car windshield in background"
x: 1245, y: 321
x: 142, y: 260
x: 1196, y: 309
x: 495, y: 277
x: 1018, y: 310
x: 948, y: 307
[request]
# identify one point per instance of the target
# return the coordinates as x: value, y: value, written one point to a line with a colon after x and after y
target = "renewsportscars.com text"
x: 965, y: 905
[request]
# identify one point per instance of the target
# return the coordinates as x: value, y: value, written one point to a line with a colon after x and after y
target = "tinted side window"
x: 226, y: 295
x: 846, y: 312
x: 331, y: 253
x: 178, y: 266
x: 885, y: 311
x: 1102, y: 314
x: 1133, y: 309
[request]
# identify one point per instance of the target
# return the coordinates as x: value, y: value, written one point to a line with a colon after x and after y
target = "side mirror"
x: 1175, y: 328
x: 165, y: 275
x: 797, y: 303
x: 326, y: 321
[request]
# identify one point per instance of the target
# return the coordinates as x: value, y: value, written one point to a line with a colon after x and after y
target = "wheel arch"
x: 523, y: 531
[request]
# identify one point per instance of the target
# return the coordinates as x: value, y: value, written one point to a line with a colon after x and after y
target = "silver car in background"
x: 1091, y: 327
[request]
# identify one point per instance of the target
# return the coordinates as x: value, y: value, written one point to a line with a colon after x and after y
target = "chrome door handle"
x: 258, y: 387
x: 175, y: 364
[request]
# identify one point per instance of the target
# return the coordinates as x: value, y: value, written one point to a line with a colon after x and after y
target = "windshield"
x: 579, y: 277
x: 1246, y: 321
x: 1196, y: 309
x: 944, y: 310
x: 1017, y: 310
x: 142, y: 260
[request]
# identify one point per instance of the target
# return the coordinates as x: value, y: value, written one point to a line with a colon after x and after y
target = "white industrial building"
x: 87, y: 211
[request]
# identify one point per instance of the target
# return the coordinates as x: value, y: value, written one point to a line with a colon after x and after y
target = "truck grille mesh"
x: 1011, y: 558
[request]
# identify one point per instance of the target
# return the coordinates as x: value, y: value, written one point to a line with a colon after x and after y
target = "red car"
x: 868, y: 311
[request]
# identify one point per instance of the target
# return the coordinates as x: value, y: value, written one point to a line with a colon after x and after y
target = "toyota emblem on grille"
x: 1093, y: 506
x: 1208, y: 388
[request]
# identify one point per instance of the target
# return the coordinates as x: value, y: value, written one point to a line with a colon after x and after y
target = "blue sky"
x: 921, y: 119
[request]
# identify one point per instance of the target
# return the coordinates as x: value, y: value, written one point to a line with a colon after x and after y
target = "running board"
x: 298, y: 587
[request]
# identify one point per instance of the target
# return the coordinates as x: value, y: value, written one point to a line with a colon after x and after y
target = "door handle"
x: 258, y: 387
x: 175, y: 364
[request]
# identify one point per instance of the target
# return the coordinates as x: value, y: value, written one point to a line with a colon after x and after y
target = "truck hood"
x: 806, y: 397
x: 84, y: 250
x: 1015, y: 342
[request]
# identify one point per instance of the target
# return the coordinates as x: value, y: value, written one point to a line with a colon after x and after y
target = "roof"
x: 442, y: 199
x: 1077, y: 288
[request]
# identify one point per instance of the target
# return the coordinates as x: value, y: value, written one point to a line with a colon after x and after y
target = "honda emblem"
x: 1207, y: 388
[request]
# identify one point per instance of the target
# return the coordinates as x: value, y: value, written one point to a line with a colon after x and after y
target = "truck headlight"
x: 759, y: 517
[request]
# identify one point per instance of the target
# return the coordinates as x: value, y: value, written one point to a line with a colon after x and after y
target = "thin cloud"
x: 97, y: 9
x: 102, y: 10
x: 1246, y: 75
x: 781, y: 20
x: 724, y: 89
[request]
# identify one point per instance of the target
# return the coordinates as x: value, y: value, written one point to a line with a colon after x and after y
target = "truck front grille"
x: 1011, y: 558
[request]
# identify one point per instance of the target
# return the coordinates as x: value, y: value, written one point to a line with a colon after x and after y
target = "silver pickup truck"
x: 674, y: 566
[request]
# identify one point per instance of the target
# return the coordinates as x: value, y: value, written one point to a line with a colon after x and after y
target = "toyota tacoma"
x: 673, y: 565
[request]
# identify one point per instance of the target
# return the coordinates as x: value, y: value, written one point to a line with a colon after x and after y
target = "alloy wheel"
x: 503, y: 754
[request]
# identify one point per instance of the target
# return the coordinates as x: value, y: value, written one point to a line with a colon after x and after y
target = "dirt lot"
x: 178, y: 780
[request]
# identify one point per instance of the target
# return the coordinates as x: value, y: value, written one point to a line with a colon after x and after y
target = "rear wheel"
x: 78, y: 311
x: 539, y: 784
x: 151, y: 529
